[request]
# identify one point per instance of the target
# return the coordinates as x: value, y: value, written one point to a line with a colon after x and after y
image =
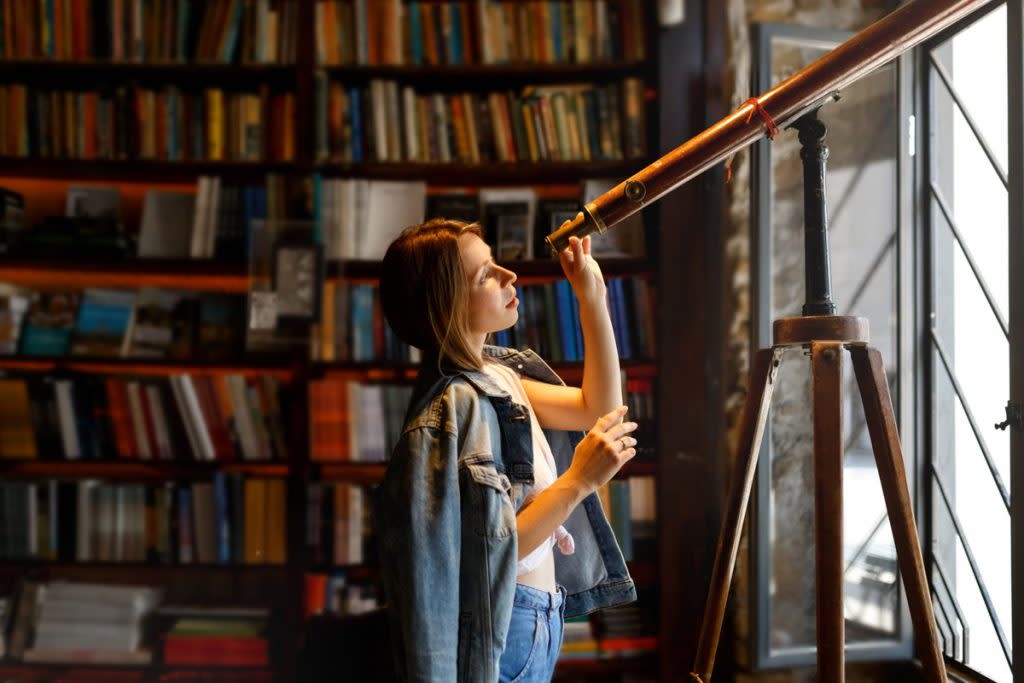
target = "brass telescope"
x: 879, y: 43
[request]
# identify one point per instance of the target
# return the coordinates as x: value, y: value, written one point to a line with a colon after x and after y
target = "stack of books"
x: 80, y: 622
x: 216, y: 641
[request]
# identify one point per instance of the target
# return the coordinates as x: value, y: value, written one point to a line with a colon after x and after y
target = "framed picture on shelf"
x: 512, y: 236
x: 296, y: 279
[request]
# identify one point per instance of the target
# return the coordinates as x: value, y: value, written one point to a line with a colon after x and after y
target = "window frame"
x: 901, y: 647
x: 928, y: 364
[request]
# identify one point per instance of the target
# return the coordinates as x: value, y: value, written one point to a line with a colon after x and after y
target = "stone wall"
x: 849, y: 15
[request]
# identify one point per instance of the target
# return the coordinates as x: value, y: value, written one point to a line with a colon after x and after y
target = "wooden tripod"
x: 826, y: 335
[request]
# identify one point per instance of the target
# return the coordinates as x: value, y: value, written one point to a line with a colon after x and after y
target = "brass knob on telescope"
x: 635, y: 190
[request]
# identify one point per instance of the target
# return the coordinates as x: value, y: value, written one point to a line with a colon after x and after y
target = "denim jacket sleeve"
x: 448, y: 542
x: 420, y: 546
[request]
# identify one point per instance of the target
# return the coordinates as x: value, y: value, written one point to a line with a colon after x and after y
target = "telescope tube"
x: 882, y: 41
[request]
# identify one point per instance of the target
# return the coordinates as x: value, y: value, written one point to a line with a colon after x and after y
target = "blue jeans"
x: 534, y: 636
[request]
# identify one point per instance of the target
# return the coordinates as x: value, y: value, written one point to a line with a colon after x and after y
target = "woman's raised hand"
x: 582, y: 271
x: 605, y: 449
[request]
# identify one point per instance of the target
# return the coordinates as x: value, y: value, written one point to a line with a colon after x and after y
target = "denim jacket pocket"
x: 489, y: 494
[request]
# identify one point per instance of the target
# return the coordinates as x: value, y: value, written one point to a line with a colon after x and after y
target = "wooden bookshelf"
x: 283, y: 585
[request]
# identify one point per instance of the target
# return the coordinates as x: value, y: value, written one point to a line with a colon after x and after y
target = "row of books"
x: 135, y: 122
x: 219, y: 219
x: 338, y: 527
x: 250, y: 31
x: 230, y: 520
x: 392, y: 32
x: 517, y: 219
x: 549, y: 320
x: 388, y: 122
x: 357, y: 218
x: 356, y: 421
x: 181, y: 417
x: 353, y: 218
x: 352, y: 328
x: 150, y: 323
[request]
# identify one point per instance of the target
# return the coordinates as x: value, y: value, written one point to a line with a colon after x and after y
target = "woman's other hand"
x: 603, y: 451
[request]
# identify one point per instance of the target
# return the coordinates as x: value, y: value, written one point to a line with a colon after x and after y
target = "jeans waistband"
x: 534, y: 598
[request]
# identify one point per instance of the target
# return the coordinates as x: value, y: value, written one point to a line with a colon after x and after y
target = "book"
x: 12, y: 217
x: 164, y: 324
x: 391, y: 206
x: 167, y: 220
x: 93, y: 202
x: 102, y: 322
x: 14, y: 303
x: 459, y: 206
x: 509, y: 215
x: 48, y: 324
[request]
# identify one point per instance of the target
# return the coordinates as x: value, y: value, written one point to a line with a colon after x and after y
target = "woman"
x: 490, y: 528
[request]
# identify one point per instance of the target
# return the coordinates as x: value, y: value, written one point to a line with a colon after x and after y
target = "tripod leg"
x: 885, y: 441
x: 827, y: 376
x: 755, y: 413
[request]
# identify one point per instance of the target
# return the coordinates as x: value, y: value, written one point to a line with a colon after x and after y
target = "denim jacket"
x: 446, y: 514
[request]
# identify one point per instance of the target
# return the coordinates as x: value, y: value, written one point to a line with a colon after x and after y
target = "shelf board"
x: 136, y: 567
x: 531, y: 272
x: 487, y: 74
x: 496, y: 173
x: 153, y: 170
x: 134, y: 471
x: 604, y: 666
x: 371, y: 473
x: 356, y: 472
x: 134, y: 366
x: 139, y: 170
x: 196, y: 274
x: 401, y: 372
x: 353, y: 572
x: 29, y: 68
x: 636, y: 469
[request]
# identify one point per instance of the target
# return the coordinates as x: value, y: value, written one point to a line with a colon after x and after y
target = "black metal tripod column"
x: 817, y: 263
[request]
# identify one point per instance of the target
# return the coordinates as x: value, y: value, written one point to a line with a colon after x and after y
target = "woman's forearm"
x: 602, y: 385
x: 538, y: 520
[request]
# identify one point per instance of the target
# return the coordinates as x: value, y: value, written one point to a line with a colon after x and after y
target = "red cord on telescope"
x: 769, y: 122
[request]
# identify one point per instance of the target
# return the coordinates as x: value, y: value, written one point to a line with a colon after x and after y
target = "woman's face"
x: 493, y: 304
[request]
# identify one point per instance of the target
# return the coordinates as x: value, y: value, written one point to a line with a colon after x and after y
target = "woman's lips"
x: 513, y: 303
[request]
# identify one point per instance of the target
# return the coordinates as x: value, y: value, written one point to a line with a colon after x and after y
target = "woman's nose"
x: 510, y: 277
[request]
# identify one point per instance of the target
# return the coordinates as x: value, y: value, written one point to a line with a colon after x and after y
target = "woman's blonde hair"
x: 424, y: 290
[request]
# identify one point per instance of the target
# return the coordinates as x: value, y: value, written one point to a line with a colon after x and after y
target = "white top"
x: 544, y: 471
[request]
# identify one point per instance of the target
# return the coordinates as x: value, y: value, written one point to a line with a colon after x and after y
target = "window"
x: 966, y: 350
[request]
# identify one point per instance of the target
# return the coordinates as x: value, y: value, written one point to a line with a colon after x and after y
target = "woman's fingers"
x: 624, y: 443
x: 610, y: 419
x: 616, y: 431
